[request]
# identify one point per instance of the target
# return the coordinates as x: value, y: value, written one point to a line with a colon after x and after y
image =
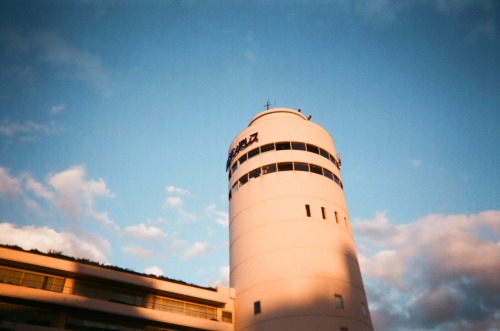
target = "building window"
x: 242, y: 159
x: 267, y: 148
x: 254, y: 173
x: 256, y: 307
x: 313, y: 149
x: 328, y: 173
x: 285, y: 166
x: 284, y: 145
x: 343, y: 328
x: 364, y: 311
x: 243, y: 179
x: 324, y: 153
x: 299, y: 166
x: 234, y: 167
x: 270, y: 168
x: 227, y: 317
x: 298, y: 146
x: 253, y: 152
x: 323, y: 213
x: 308, y: 211
x: 336, y: 217
x: 346, y: 224
x: 339, y: 303
x: 316, y: 169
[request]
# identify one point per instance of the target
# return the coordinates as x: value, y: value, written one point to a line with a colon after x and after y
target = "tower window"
x: 243, y: 179
x: 282, y: 145
x: 339, y: 303
x: 316, y: 169
x: 299, y: 166
x: 323, y: 213
x: 242, y: 159
x: 253, y: 152
x: 324, y: 153
x: 308, y: 211
x: 327, y: 173
x: 345, y: 221
x: 285, y: 166
x: 298, y: 146
x: 267, y: 148
x: 254, y: 173
x: 312, y: 149
x: 364, y: 311
x: 234, y: 167
x: 267, y: 169
x: 336, y: 217
x: 256, y: 307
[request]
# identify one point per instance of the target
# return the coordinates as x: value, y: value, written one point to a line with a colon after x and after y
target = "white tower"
x: 292, y: 256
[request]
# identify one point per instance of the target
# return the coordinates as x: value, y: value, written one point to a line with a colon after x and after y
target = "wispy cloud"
x: 139, y: 251
x: 197, y: 249
x: 426, y: 274
x: 221, y: 217
x: 28, y: 50
x: 45, y: 239
x: 69, y: 191
x: 27, y: 131
x: 144, y: 232
x: 9, y: 185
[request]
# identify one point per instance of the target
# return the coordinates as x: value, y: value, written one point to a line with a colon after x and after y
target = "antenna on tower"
x: 269, y: 104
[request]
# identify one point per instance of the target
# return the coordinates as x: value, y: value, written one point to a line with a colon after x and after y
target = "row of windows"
x: 284, y: 166
x: 31, y: 279
x: 325, y: 216
x: 282, y: 146
x: 112, y: 294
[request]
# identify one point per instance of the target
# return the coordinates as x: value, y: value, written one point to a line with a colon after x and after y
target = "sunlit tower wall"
x: 293, y: 262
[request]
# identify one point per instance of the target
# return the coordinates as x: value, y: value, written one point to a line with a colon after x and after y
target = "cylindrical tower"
x: 292, y: 256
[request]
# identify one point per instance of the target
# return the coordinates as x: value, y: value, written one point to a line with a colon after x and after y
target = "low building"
x: 43, y: 292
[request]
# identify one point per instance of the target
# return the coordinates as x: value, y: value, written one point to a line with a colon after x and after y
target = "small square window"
x: 364, y: 311
x: 227, y: 317
x: 323, y: 212
x: 339, y: 303
x: 308, y: 211
x: 256, y: 307
x: 336, y: 217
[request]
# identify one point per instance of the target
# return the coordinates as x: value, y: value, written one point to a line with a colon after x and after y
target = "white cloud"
x: 153, y: 270
x: 45, y: 239
x: 197, y: 249
x: 221, y: 217
x: 138, y: 251
x: 54, y: 110
x: 9, y: 186
x: 74, y: 195
x: 174, y: 202
x: 176, y: 190
x: 425, y: 274
x: 144, y: 232
x: 223, y: 279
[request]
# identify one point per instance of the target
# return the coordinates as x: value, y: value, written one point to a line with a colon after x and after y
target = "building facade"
x: 41, y: 292
x: 293, y: 261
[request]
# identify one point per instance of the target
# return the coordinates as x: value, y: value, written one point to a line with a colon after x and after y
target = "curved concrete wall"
x: 294, y: 265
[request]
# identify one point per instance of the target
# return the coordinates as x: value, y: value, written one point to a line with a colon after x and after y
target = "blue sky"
x: 116, y: 118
